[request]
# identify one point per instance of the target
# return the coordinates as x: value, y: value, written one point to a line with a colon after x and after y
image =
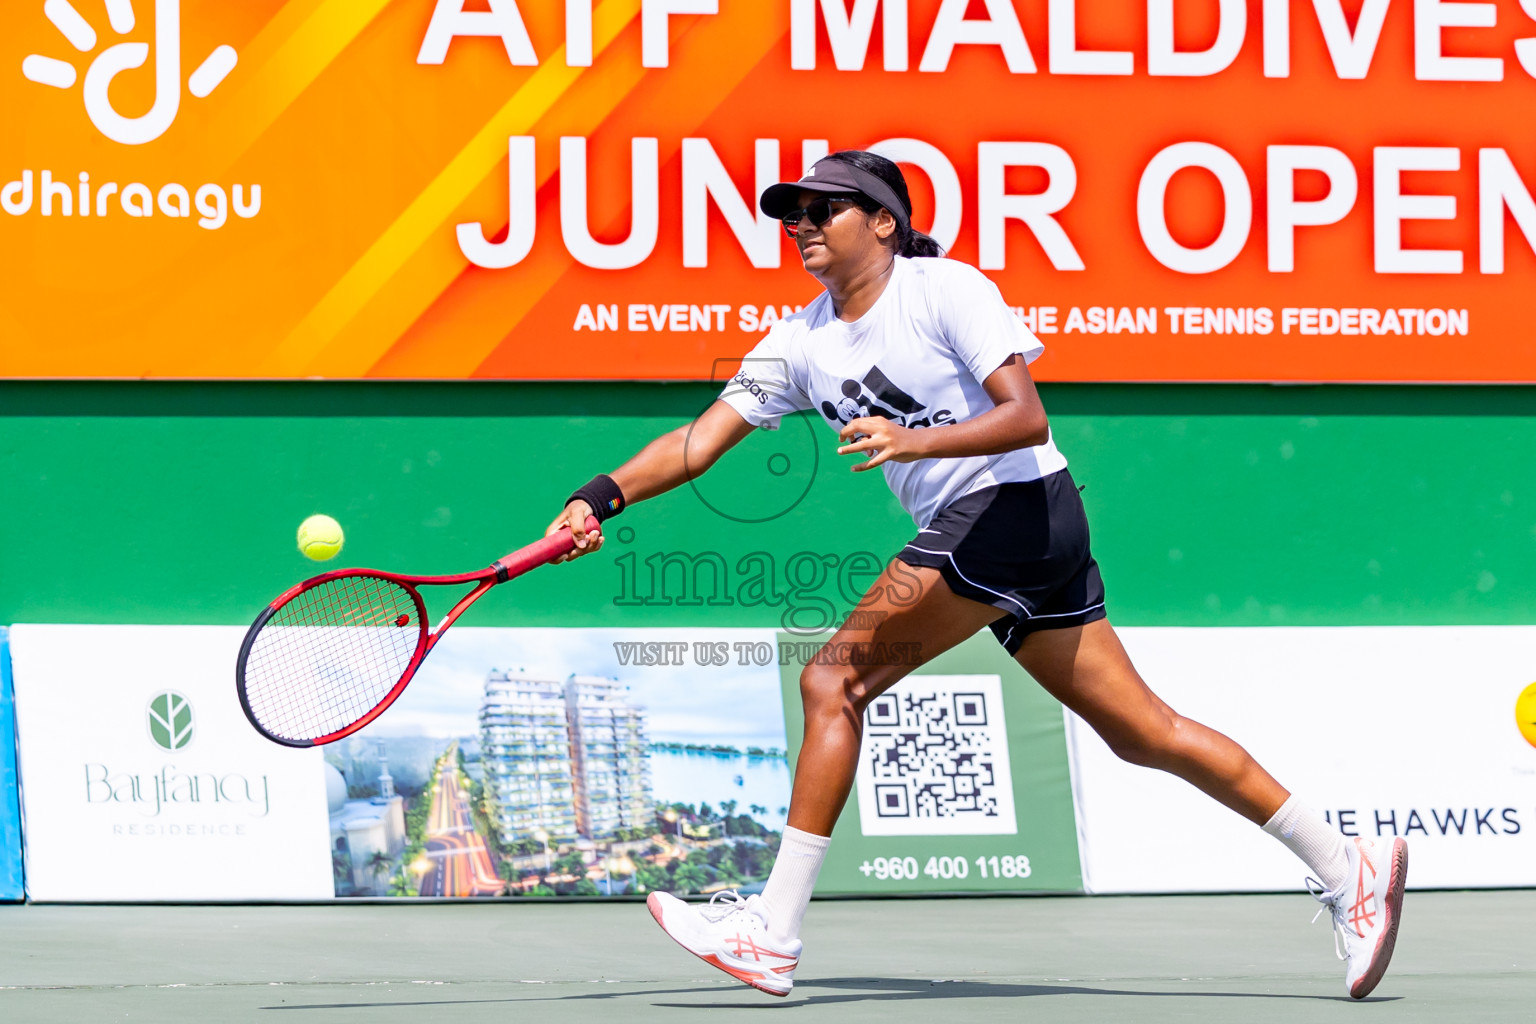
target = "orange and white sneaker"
x: 1366, y: 910
x: 730, y: 932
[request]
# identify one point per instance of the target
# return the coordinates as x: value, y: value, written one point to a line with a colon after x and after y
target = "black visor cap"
x: 832, y: 176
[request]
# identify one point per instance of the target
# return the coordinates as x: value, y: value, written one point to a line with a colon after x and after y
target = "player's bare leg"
x: 1362, y: 883
x: 909, y: 616
x: 1087, y: 669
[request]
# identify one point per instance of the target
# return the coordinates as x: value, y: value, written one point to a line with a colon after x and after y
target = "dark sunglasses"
x: 818, y: 212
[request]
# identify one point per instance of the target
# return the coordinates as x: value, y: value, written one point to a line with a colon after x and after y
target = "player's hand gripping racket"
x: 330, y: 655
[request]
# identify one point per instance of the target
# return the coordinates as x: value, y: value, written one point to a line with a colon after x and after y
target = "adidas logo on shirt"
x: 877, y: 395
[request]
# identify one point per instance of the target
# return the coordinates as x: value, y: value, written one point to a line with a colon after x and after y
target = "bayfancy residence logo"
x: 79, y: 33
x: 171, y: 725
x: 170, y: 721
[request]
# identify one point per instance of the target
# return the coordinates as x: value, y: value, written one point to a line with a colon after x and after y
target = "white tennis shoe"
x: 730, y: 932
x: 1366, y: 910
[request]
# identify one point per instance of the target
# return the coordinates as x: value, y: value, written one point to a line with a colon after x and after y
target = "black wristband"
x: 602, y: 494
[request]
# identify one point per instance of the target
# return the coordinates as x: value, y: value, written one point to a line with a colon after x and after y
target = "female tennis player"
x: 921, y: 368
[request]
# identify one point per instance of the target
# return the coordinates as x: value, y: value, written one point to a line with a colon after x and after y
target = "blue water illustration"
x: 694, y: 778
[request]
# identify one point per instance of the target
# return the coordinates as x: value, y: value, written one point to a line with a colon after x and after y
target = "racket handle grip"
x: 540, y: 552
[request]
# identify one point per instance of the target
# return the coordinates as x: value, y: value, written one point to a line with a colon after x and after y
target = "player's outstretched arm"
x: 671, y: 460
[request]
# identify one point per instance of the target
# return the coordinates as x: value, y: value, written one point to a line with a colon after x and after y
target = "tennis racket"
x: 331, y: 654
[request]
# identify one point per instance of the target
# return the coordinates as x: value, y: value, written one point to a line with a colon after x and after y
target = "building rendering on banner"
x: 526, y: 752
x: 367, y: 836
x: 608, y: 753
x: 563, y: 760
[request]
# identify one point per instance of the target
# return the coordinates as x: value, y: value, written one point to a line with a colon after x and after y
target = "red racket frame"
x: 540, y: 552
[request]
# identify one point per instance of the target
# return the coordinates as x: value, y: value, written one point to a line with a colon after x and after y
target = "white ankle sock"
x: 788, y: 891
x: 1309, y: 836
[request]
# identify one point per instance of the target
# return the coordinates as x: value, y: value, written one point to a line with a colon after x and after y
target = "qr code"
x: 935, y: 760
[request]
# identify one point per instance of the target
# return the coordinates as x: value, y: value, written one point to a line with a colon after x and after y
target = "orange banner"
x: 1203, y: 190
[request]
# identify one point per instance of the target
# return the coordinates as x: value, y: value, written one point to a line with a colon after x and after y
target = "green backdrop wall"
x: 177, y: 502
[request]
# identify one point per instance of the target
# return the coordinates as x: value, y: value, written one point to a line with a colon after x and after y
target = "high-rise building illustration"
x: 566, y: 759
x: 608, y: 753
x: 526, y: 752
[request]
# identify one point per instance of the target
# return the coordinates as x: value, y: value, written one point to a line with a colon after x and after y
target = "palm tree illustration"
x: 400, y: 883
x: 690, y: 877
x: 378, y: 864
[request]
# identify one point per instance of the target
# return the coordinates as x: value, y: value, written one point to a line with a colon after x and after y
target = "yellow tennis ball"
x: 1525, y: 714
x: 320, y: 538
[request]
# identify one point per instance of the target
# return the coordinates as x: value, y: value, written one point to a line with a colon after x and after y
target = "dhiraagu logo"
x: 170, y: 721
x: 124, y: 56
x: 50, y: 193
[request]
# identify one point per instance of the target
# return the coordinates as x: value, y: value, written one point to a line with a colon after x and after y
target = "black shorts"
x: 1020, y: 547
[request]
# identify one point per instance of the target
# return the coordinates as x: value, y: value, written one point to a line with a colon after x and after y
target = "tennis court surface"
x: 1460, y: 956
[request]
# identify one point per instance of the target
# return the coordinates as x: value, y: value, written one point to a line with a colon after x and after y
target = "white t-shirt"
x: 917, y: 357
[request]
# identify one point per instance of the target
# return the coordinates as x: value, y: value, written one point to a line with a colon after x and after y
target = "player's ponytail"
x: 909, y: 241
x: 918, y: 244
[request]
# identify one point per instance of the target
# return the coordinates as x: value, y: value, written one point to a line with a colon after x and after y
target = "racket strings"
x: 329, y: 655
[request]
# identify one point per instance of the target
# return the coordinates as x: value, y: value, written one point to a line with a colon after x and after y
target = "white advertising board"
x: 142, y: 780
x: 1405, y: 731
